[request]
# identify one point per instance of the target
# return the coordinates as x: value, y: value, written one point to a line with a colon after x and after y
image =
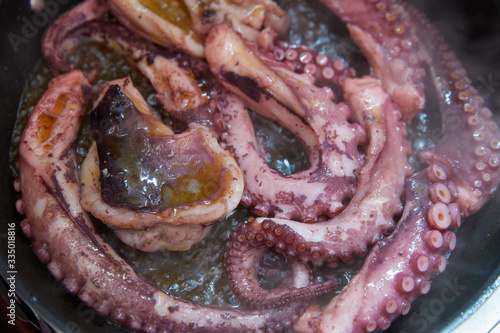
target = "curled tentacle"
x: 368, y: 217
x: 371, y: 212
x: 244, y: 268
x: 60, y: 30
x: 383, y: 32
x: 462, y: 175
x: 65, y: 239
x: 413, y: 253
x: 304, y: 109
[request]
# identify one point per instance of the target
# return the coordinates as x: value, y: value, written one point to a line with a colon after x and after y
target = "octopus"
x: 159, y: 186
x: 132, y: 148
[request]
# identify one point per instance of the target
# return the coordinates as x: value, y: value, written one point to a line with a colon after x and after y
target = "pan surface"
x: 473, y: 272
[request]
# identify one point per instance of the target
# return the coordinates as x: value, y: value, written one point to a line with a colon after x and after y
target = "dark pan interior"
x: 473, y: 272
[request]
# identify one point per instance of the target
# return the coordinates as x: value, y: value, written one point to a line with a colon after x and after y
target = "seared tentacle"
x: 465, y: 123
x: 64, y: 237
x: 243, y: 266
x: 370, y: 214
x: 412, y: 254
x: 383, y: 32
x: 59, y: 32
x: 307, y: 111
x: 463, y: 174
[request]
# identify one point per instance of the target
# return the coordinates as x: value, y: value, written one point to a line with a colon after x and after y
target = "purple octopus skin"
x: 463, y: 173
x: 57, y: 33
x: 368, y: 217
x: 244, y: 263
x: 442, y: 206
x: 65, y: 239
x: 304, y: 109
x: 302, y: 59
x: 383, y: 32
x: 412, y: 255
x: 174, y: 75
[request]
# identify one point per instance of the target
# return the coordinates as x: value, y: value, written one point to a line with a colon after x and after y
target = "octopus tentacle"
x: 242, y: 264
x: 413, y: 253
x: 451, y: 188
x: 339, y: 238
x: 61, y: 28
x: 292, y: 100
x: 64, y: 237
x: 303, y: 59
x: 382, y: 31
x: 465, y: 122
x: 238, y: 136
x: 370, y: 214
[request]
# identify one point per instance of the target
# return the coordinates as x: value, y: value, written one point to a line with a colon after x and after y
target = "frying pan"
x: 473, y: 272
